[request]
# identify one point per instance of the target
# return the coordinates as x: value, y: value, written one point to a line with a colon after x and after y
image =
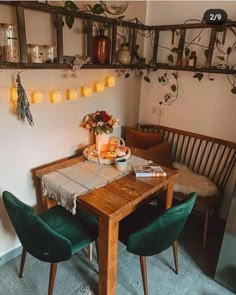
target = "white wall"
x: 206, y: 107
x: 56, y: 133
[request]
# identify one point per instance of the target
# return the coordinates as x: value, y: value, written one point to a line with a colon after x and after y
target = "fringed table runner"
x: 65, y: 185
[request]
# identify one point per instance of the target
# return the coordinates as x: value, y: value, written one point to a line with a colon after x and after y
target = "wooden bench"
x: 211, y: 157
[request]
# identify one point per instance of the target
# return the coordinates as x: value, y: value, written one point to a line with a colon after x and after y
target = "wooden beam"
x: 22, y: 33
x: 59, y: 27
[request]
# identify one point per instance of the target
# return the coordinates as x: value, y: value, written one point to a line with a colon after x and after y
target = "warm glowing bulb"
x: 37, y: 97
x: 72, y: 94
x: 87, y: 91
x: 111, y: 81
x: 56, y: 97
x: 99, y: 87
x: 14, y: 95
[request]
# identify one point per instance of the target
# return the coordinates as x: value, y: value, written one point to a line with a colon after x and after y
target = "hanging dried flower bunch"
x: 23, y: 106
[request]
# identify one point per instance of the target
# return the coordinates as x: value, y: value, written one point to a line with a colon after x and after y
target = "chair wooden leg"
x: 205, y: 229
x: 175, y: 252
x: 53, y: 271
x: 144, y: 274
x: 97, y: 249
x: 22, y: 263
x: 90, y: 251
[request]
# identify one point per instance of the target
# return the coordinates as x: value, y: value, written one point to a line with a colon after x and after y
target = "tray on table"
x: 91, y: 154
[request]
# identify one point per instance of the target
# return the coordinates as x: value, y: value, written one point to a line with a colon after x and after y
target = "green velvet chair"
x: 52, y: 236
x: 147, y: 232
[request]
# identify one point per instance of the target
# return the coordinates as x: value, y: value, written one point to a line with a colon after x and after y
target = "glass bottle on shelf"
x: 192, y: 59
x: 10, y: 46
x: 101, y: 48
x: 35, y: 53
x: 49, y: 53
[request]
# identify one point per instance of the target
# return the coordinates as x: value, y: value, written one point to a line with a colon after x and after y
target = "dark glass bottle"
x: 192, y: 59
x: 101, y: 48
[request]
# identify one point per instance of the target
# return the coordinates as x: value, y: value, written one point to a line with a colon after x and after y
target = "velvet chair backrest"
x: 35, y: 235
x: 162, y: 232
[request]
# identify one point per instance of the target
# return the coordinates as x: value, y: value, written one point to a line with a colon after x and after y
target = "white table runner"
x: 65, y: 185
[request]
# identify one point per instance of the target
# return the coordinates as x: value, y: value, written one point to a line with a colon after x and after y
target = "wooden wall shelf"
x: 133, y: 27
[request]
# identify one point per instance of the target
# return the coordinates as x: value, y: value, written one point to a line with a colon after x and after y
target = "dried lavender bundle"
x: 23, y: 106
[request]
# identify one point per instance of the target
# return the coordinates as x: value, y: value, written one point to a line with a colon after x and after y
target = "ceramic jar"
x: 123, y: 55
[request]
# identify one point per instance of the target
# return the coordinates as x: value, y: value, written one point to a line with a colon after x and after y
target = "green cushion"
x: 79, y: 229
x: 148, y: 232
x: 53, y: 235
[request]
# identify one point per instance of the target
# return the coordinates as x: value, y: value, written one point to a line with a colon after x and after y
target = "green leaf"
x: 173, y: 87
x: 147, y: 79
x: 71, y: 5
x: 175, y: 75
x: 170, y: 58
x: 140, y: 73
x: 233, y: 90
x: 174, y: 50
x: 221, y: 58
x: 186, y: 51
x: 199, y: 76
x: 69, y: 21
x: 229, y: 49
x: 98, y: 9
x: 127, y: 75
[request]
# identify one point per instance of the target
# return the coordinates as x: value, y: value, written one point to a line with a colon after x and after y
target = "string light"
x: 86, y: 91
x: 111, y: 81
x: 14, y: 95
x: 55, y: 97
x: 72, y: 94
x: 37, y: 97
x: 99, y: 87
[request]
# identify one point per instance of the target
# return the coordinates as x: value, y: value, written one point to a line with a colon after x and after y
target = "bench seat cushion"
x: 187, y: 182
x: 142, y: 140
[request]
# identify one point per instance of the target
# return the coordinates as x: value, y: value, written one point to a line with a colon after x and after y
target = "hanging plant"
x: 172, y: 81
x: 23, y: 105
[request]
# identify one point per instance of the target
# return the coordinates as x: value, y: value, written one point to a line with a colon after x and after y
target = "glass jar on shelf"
x: 35, y: 53
x: 10, y: 46
x: 49, y: 53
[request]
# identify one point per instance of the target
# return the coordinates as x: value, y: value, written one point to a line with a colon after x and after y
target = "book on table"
x: 148, y: 171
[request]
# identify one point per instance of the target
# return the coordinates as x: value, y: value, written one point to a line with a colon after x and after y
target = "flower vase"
x: 102, y: 141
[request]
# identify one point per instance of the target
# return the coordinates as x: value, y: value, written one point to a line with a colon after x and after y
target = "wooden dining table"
x: 110, y: 204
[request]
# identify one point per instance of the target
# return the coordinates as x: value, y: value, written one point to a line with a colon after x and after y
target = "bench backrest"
x: 213, y: 157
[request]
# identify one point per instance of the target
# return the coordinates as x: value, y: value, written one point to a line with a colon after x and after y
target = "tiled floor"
x: 80, y: 276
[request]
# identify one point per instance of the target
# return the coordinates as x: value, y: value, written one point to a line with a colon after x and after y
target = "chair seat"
x: 64, y: 223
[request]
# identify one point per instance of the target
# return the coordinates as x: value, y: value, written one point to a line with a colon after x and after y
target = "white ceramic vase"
x: 123, y: 56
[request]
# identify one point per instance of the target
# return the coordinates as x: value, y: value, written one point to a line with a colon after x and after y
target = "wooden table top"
x: 123, y: 194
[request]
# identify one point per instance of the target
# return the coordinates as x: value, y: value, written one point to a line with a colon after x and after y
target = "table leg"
x: 169, y: 199
x: 108, y: 252
x: 169, y: 194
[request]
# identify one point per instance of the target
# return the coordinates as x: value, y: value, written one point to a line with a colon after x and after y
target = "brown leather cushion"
x: 159, y: 154
x: 142, y: 140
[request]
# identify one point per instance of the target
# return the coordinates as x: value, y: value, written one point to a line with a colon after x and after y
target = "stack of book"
x: 148, y: 171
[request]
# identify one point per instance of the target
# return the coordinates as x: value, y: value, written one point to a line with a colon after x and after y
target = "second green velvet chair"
x: 52, y: 236
x: 147, y: 232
